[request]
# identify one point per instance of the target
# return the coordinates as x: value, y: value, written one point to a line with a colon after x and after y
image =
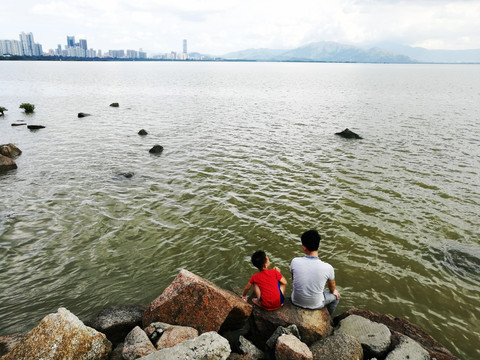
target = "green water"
x: 250, y: 162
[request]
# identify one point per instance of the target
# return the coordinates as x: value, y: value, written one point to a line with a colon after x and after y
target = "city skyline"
x: 219, y: 27
x: 26, y: 46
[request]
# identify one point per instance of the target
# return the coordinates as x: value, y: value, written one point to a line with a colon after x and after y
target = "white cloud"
x: 217, y: 27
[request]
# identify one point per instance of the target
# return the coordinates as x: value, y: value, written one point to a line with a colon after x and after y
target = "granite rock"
x: 193, y: 301
x: 208, y: 346
x: 117, y: 321
x: 408, y: 349
x: 337, y: 346
x: 289, y: 347
x: 175, y: 335
x: 137, y: 344
x: 374, y: 337
x: 312, y: 324
x: 61, y: 336
x: 402, y: 326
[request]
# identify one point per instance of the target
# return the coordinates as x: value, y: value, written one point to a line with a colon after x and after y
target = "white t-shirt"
x: 310, y: 275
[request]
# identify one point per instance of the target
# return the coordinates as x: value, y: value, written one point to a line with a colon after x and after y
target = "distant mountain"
x: 326, y: 51
x: 435, y: 56
x: 254, y: 54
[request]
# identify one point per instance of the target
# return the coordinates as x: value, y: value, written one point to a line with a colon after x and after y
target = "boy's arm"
x: 245, y: 291
x: 283, y: 281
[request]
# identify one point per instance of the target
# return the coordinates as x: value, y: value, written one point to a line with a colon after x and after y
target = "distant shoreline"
x: 97, y: 59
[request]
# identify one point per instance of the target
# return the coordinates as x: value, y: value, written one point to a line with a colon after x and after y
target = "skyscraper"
x: 70, y: 41
x: 185, y: 46
x: 83, y: 44
x: 27, y: 44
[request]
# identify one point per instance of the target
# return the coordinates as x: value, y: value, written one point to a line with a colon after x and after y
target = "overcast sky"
x: 219, y: 26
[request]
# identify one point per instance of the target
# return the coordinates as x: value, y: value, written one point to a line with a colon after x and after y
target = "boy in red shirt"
x: 268, y: 284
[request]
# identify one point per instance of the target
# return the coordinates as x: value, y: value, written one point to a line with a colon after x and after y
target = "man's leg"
x: 331, y: 301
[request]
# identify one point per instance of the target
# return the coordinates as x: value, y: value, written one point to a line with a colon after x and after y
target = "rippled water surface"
x: 250, y: 161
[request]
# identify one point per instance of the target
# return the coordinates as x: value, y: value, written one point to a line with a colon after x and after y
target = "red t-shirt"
x: 267, y: 281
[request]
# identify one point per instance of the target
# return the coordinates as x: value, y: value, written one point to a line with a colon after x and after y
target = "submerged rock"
x: 35, y: 127
x: 156, y: 149
x: 348, y: 134
x: 143, y: 132
x: 81, y: 114
x: 115, y: 104
x: 127, y: 175
x: 19, y: 124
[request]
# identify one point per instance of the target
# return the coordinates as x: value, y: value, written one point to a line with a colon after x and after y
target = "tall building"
x: 185, y: 47
x: 25, y: 47
x: 70, y: 41
x: 28, y: 45
x: 82, y: 44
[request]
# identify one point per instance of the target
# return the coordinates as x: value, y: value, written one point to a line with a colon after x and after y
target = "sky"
x: 216, y: 27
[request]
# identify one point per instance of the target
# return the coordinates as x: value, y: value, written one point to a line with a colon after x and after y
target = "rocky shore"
x: 195, y: 319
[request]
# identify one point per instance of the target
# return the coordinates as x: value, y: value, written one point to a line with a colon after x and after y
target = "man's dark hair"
x: 259, y: 258
x: 311, y: 240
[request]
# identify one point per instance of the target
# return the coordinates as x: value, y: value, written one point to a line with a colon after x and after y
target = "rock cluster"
x: 195, y: 319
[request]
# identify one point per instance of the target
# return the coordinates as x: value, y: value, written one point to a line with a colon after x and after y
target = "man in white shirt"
x: 310, y: 275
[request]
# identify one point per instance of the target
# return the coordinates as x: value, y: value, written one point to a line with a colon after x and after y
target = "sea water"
x: 250, y: 161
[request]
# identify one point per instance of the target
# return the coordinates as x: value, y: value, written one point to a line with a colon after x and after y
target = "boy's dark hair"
x: 311, y: 240
x: 259, y: 258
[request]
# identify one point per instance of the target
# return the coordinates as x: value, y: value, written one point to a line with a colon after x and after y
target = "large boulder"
x: 6, y: 163
x: 374, y: 337
x: 337, y: 346
x: 289, y: 347
x: 313, y: 325
x: 193, y: 301
x: 137, y: 344
x: 10, y: 150
x: 402, y: 326
x: 61, y: 336
x: 208, y: 346
x: 117, y: 321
